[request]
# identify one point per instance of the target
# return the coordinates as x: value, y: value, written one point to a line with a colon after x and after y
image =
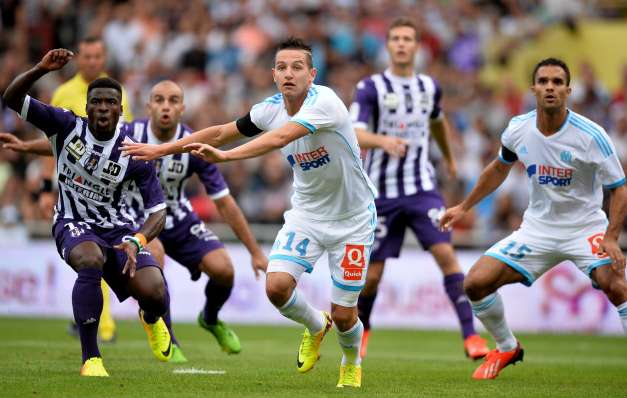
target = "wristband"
x: 135, y: 241
x: 142, y: 239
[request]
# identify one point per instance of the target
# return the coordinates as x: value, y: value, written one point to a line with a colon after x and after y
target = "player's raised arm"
x: 17, y: 90
x: 215, y: 136
x: 39, y: 146
x: 490, y: 179
x: 274, y: 139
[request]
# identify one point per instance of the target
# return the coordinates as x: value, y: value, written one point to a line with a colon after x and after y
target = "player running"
x: 394, y: 113
x: 184, y: 237
x: 93, y: 233
x: 333, y: 202
x: 569, y: 160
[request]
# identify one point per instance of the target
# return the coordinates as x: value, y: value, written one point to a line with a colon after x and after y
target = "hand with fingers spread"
x: 451, y: 216
x: 131, y: 249
x: 139, y: 151
x: 206, y: 152
x: 55, y: 59
x: 394, y: 146
x: 610, y: 247
x: 11, y: 142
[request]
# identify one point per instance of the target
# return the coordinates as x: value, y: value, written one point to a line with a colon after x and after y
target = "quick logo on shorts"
x: 310, y: 160
x: 551, y: 175
x: 354, y: 262
x: 595, y: 244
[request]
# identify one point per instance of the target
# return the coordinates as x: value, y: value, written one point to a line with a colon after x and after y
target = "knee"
x: 344, y: 317
x: 89, y: 260
x: 151, y: 294
x: 474, y: 288
x: 615, y: 290
x: 224, y: 275
x: 278, y: 293
x: 372, y: 284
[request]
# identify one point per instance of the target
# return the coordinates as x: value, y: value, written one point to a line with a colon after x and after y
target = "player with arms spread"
x: 569, y: 160
x: 332, y: 206
x: 93, y: 232
x: 394, y: 114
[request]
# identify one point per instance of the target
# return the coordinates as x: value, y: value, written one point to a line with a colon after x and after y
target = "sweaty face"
x: 166, y: 105
x: 291, y: 73
x: 104, y: 107
x: 402, y: 45
x: 550, y: 88
x: 91, y: 60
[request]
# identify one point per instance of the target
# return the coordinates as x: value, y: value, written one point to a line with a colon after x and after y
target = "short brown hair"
x: 295, y: 43
x: 402, y: 21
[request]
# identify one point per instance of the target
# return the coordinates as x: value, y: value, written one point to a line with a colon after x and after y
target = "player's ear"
x: 273, y: 75
x: 313, y: 73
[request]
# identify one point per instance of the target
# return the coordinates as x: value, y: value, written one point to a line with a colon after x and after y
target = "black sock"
x: 216, y: 295
x: 364, y: 305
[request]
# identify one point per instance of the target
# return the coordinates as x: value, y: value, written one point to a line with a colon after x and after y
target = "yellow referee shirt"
x: 72, y: 95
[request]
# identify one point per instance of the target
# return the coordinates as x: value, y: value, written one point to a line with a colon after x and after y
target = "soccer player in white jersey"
x: 569, y: 160
x: 395, y: 113
x: 332, y: 206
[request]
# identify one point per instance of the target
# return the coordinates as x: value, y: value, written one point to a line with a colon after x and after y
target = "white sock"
x: 350, y: 341
x: 622, y: 312
x: 299, y: 310
x: 491, y: 313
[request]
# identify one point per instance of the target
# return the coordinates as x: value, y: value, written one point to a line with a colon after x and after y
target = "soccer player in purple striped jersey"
x: 394, y: 114
x: 184, y: 237
x: 93, y: 232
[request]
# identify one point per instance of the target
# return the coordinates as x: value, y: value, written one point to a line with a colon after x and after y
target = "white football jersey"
x: 329, y: 181
x: 567, y: 171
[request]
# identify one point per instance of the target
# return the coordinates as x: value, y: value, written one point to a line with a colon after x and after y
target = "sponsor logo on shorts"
x: 354, y: 262
x: 551, y: 175
x: 595, y: 244
x: 310, y: 160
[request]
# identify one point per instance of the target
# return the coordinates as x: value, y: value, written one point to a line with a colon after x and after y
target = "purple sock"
x: 166, y: 317
x: 216, y: 295
x: 454, y: 286
x: 364, y: 306
x: 87, y: 306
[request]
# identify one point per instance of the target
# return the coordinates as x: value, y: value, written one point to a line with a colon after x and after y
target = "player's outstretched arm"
x: 393, y: 146
x: 609, y: 245
x: 273, y: 139
x: 232, y: 214
x: 39, y: 146
x: 215, y: 136
x: 489, y: 180
x: 17, y: 90
x: 441, y: 133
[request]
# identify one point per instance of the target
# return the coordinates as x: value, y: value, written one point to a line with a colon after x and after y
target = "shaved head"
x: 165, y: 107
x: 166, y: 86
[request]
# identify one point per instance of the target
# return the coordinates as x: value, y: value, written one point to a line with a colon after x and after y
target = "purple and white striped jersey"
x: 93, y: 176
x: 402, y: 107
x: 173, y: 172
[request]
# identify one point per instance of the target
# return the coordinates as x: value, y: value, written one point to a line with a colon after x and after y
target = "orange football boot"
x: 495, y: 361
x: 364, y: 343
x: 476, y: 347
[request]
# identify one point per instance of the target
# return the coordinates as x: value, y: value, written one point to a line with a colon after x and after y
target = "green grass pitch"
x: 40, y: 360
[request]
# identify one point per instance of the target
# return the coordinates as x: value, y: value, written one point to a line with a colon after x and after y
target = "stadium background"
x: 482, y: 53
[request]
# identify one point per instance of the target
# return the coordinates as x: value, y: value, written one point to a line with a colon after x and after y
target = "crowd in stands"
x: 221, y: 52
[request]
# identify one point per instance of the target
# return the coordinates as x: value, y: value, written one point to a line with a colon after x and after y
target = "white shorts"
x: 532, y: 252
x: 302, y: 241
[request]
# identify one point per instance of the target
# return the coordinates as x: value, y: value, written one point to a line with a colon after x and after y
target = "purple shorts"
x: 69, y: 233
x: 420, y: 212
x: 188, y: 241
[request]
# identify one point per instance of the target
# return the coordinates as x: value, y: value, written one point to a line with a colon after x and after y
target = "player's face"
x: 402, y: 45
x: 291, y: 73
x: 166, y: 105
x: 91, y: 60
x: 104, y: 107
x: 550, y: 88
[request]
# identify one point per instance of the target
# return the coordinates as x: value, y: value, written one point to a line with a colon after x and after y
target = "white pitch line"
x: 196, y: 371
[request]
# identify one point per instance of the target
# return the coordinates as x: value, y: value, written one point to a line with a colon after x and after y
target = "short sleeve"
x: 49, y: 119
x: 321, y: 110
x: 211, y: 178
x: 364, y: 104
x: 145, y: 177
x: 436, y: 112
x: 507, y: 153
x: 246, y: 126
x: 603, y: 153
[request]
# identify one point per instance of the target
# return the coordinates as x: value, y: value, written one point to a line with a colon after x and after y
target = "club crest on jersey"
x: 91, y: 164
x: 391, y: 100
x: 354, y: 262
x: 76, y: 147
x: 595, y: 245
x: 551, y: 175
x: 310, y: 160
